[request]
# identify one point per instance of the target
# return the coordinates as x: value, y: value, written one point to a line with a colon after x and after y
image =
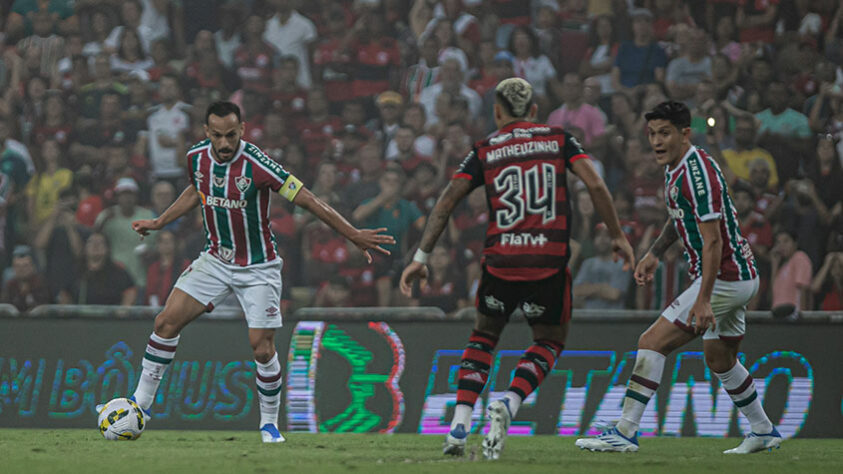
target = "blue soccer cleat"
x: 610, y: 440
x: 270, y: 434
x: 455, y: 441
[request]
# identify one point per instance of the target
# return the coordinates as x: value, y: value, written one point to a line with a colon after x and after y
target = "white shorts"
x: 728, y: 302
x: 257, y: 287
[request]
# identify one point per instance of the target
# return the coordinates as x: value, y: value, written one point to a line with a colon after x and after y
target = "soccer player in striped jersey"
x: 231, y: 180
x: 524, y: 169
x: 724, y: 279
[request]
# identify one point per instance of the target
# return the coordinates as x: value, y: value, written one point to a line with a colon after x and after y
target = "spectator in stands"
x: 390, y: 109
x: 115, y: 223
x: 756, y: 21
x: 15, y: 164
x: 100, y: 280
x: 791, y: 275
x: 415, y: 117
x: 227, y: 38
x: 445, y: 287
x: 388, y: 209
x: 22, y: 13
x: 59, y: 240
x: 161, y: 195
x: 642, y: 60
x: 425, y: 73
x: 290, y: 32
x: 370, y: 165
x: 601, y: 282
x: 692, y: 67
x: 828, y: 283
x: 784, y: 131
x: 255, y: 58
x: 26, y: 288
x: 50, y: 178
x: 316, y: 131
x: 450, y: 82
x: 97, y: 33
x: 826, y: 176
x: 746, y: 151
x: 533, y: 66
x: 91, y: 94
x: 55, y: 123
x: 130, y: 56
x: 574, y: 112
x: 43, y: 38
x: 167, y: 128
x: 374, y: 56
x: 130, y: 17
x: 332, y: 59
x: 601, y: 54
x: 164, y: 270
x: 288, y: 98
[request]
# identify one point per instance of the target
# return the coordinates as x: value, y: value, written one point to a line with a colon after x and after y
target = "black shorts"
x: 545, y: 301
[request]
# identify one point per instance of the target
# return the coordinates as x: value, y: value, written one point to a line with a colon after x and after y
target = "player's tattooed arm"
x: 456, y: 190
x: 664, y: 240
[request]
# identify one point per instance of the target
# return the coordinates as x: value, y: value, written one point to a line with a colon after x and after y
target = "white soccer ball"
x: 121, y: 419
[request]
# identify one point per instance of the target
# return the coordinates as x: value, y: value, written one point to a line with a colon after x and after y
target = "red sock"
x: 531, y: 370
x: 474, y: 368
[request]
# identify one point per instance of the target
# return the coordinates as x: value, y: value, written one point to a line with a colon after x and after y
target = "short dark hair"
x: 674, y: 112
x: 221, y: 109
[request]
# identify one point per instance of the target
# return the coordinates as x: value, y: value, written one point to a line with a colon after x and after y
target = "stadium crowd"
x: 374, y: 103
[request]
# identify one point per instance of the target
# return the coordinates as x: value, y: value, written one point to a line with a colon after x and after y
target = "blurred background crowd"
x: 374, y: 103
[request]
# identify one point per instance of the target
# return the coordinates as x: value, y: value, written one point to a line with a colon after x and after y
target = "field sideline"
x: 163, y: 451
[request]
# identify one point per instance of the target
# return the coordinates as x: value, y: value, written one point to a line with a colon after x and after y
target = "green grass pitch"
x: 163, y: 451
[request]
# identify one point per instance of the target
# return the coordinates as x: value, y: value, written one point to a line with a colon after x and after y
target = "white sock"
x: 159, y: 353
x: 514, y: 402
x: 462, y: 415
x: 741, y: 387
x: 269, y: 389
x: 645, y: 379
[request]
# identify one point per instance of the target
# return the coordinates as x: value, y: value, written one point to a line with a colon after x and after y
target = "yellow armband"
x: 290, y: 188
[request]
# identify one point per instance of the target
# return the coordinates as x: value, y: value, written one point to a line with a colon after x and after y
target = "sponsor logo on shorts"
x: 493, y: 303
x: 532, y: 310
x: 271, y: 311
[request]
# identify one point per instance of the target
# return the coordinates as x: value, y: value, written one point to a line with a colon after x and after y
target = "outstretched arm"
x: 436, y: 223
x: 364, y: 239
x: 188, y: 199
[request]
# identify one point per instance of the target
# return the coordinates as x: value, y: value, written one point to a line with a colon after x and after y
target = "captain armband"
x: 290, y: 188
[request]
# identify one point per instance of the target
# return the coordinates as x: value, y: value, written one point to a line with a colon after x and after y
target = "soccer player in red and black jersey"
x: 523, y: 167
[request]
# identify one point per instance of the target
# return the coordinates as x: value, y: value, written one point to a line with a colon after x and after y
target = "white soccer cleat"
x: 455, y: 441
x: 270, y: 434
x: 610, y: 440
x: 500, y: 417
x: 755, y: 442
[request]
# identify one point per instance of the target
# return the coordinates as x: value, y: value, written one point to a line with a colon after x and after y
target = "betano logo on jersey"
x: 226, y: 203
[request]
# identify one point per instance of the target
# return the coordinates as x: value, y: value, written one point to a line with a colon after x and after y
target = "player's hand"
x: 623, y: 250
x: 366, y: 239
x: 143, y: 226
x: 645, y: 269
x: 414, y: 271
x: 701, y: 317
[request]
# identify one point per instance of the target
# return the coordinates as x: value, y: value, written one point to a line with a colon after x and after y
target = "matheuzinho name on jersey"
x: 522, y: 149
x: 215, y: 201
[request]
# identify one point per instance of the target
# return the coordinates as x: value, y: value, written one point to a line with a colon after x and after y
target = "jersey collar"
x: 517, y: 124
x: 691, y: 150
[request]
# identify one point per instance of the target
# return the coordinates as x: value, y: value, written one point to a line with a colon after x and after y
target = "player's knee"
x: 719, y: 363
x: 165, y: 327
x: 650, y: 342
x: 263, y: 352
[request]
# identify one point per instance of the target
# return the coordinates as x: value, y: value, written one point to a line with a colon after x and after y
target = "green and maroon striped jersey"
x: 235, y: 201
x: 696, y: 191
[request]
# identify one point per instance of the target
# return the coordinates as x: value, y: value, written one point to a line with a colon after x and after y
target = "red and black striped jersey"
x: 523, y: 167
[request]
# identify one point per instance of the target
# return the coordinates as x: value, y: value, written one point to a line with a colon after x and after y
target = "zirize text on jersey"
x: 696, y: 191
x: 523, y: 168
x: 235, y: 201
